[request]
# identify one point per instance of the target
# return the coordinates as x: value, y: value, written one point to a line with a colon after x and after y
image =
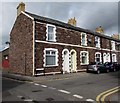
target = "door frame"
x: 63, y: 69
x: 75, y: 61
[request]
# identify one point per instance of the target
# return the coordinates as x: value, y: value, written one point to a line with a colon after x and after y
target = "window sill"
x: 83, y: 45
x: 51, y: 40
x: 50, y: 65
x: 98, y: 47
x: 84, y: 64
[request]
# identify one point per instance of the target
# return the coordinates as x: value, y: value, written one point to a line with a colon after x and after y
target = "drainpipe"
x: 101, y: 50
x: 110, y: 51
x: 33, y: 48
x: 25, y: 62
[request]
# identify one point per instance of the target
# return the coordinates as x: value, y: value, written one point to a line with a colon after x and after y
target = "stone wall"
x: 21, y: 46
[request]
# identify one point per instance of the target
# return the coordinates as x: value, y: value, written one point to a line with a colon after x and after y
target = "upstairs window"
x: 83, y: 39
x: 51, y: 33
x: 113, y: 45
x: 84, y: 57
x: 97, y: 42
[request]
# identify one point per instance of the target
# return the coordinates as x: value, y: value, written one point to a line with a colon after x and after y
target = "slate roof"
x: 68, y: 26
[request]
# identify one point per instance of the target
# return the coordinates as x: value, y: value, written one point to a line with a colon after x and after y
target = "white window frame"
x: 113, y: 45
x: 115, y: 58
x: 98, y: 41
x: 104, y: 57
x: 96, y: 57
x: 108, y: 57
x: 54, y: 32
x: 87, y: 57
x: 56, y: 55
x: 85, y: 39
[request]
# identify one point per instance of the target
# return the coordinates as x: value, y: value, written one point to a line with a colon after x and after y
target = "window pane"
x: 97, y: 55
x: 50, y: 60
x: 50, y: 29
x: 96, y: 38
x: 53, y: 52
x: 84, y: 60
x: 50, y: 36
x: 97, y: 59
x: 47, y: 52
x: 83, y: 38
x: 114, y: 58
x: 83, y: 41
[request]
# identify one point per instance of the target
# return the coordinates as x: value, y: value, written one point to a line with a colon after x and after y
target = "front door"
x: 66, y: 62
x: 73, y: 61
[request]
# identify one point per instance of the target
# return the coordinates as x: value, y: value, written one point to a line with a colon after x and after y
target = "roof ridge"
x: 66, y: 25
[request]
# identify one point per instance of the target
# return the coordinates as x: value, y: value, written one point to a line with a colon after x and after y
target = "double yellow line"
x: 101, y: 97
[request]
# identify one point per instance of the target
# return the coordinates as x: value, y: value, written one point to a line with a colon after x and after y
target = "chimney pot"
x: 99, y: 30
x: 72, y: 21
x: 20, y: 7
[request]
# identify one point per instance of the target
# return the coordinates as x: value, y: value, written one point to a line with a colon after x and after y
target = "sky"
x: 89, y: 15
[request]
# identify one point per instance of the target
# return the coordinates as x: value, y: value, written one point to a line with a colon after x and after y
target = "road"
x: 82, y: 87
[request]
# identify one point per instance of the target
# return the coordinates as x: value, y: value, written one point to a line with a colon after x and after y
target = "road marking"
x: 51, y: 88
x: 103, y: 98
x: 106, y: 92
x: 89, y: 100
x: 78, y: 96
x: 36, y: 84
x: 28, y: 100
x: 44, y: 86
x: 64, y: 91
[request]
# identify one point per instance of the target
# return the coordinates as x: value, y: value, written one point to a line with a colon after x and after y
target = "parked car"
x: 97, y: 67
x: 112, y: 66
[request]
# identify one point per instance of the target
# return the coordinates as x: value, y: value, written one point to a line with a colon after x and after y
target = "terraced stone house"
x: 41, y: 46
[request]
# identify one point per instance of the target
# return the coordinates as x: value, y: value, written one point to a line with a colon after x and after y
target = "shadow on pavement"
x: 115, y: 74
x: 8, y: 84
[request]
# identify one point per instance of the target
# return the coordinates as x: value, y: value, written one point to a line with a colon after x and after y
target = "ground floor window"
x: 114, y: 59
x: 108, y: 57
x: 84, y: 57
x: 51, y: 57
x: 97, y: 57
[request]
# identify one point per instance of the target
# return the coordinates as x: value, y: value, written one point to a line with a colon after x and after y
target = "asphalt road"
x: 83, y: 87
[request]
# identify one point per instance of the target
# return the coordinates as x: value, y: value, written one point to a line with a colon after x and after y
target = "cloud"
x: 89, y: 15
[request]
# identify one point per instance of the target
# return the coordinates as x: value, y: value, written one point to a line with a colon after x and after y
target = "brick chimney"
x: 72, y: 21
x: 21, y: 7
x: 99, y: 30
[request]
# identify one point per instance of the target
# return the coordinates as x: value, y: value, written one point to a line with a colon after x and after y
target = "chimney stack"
x: 116, y: 36
x: 72, y: 21
x: 21, y: 7
x: 99, y: 30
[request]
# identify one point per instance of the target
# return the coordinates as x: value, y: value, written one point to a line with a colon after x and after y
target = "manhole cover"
x: 49, y: 99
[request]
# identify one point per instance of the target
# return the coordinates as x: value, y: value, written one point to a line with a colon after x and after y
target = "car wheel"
x: 98, y: 71
x: 107, y: 71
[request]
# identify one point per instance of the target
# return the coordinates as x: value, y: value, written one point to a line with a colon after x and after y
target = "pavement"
x: 42, y: 78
